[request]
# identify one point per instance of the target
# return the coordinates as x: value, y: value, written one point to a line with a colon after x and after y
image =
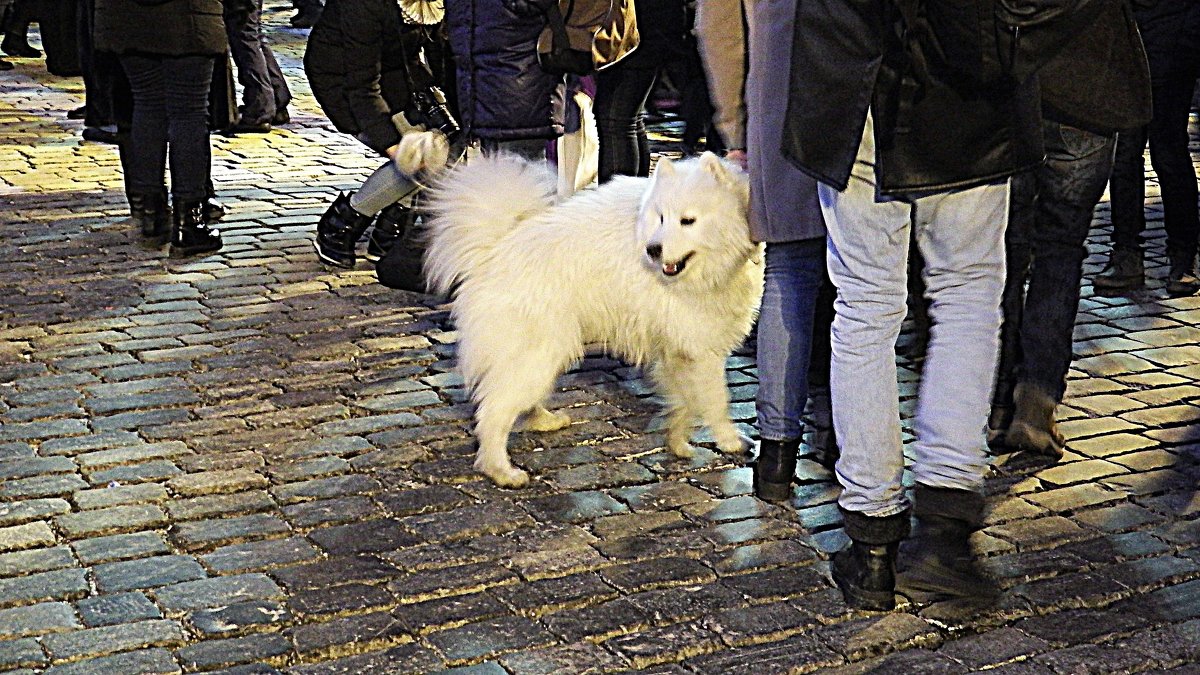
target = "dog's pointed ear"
x: 664, y: 169
x: 713, y: 165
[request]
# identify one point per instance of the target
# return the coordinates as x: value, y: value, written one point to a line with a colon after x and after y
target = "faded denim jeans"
x: 1046, y: 242
x: 961, y: 236
x: 793, y: 276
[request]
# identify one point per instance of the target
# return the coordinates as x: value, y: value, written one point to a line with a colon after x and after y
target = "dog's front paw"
x: 733, y: 443
x: 506, y: 475
x: 681, y: 449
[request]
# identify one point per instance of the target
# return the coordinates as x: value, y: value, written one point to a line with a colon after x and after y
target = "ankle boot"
x: 1033, y: 427
x: 936, y: 563
x: 1181, y: 279
x: 1125, y: 271
x: 190, y: 234
x: 390, y: 226
x: 152, y: 215
x: 338, y: 232
x: 865, y: 571
x: 774, y: 469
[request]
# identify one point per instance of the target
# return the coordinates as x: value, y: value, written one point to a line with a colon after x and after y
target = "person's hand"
x: 737, y: 156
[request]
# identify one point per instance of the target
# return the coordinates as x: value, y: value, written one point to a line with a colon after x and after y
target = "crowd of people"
x: 882, y: 141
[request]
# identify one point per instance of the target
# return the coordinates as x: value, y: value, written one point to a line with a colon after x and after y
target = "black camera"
x: 428, y: 108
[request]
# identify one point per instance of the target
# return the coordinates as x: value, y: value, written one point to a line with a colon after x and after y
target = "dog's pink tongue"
x: 670, y: 269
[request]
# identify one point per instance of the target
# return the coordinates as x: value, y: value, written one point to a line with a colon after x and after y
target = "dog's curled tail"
x: 473, y: 205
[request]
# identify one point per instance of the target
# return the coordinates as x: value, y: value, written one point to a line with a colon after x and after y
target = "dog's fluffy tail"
x: 473, y: 205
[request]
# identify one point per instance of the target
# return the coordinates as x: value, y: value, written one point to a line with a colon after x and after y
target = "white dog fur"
x: 660, y: 271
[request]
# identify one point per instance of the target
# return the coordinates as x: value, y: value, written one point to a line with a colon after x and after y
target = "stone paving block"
x: 260, y: 555
x: 112, y: 520
x: 211, y: 654
x: 238, y: 618
x: 206, y: 534
x: 117, y: 495
x: 798, y: 653
x: 100, y: 459
x: 371, y: 536
x: 63, y: 584
x: 154, y: 470
x: 489, y: 638
x: 154, y: 661
x: 29, y: 535
x: 36, y: 560
x: 40, y: 619
x: 17, y: 513
x: 210, y: 482
x: 24, y: 467
x: 145, y: 573
x: 106, y: 640
x: 116, y: 608
x: 217, y: 592
x: 329, y: 511
x: 451, y: 612
x: 325, y: 488
x: 21, y: 653
x: 210, y: 506
x: 120, y: 547
x: 404, y: 658
x: 41, y: 486
x: 347, y: 635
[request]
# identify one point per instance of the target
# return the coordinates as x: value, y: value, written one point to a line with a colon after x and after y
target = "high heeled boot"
x: 390, y: 226
x: 865, y: 571
x: 774, y: 469
x: 152, y: 215
x: 338, y: 232
x: 190, y: 233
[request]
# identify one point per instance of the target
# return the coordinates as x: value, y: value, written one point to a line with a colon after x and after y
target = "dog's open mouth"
x: 670, y: 269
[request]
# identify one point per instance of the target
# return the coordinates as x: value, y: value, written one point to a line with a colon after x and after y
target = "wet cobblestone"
x: 251, y: 464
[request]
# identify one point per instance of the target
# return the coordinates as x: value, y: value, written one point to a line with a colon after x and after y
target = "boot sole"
x: 180, y: 252
x: 330, y: 261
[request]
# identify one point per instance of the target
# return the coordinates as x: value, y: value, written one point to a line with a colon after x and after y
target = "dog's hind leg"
x: 706, y: 391
x: 503, y: 395
x: 540, y: 419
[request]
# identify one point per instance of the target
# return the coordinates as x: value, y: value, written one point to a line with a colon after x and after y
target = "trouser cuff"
x: 956, y: 503
x: 873, y: 530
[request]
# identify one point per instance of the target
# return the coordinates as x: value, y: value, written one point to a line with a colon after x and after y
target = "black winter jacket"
x: 934, y: 131
x: 503, y: 94
x: 1162, y: 24
x: 1100, y: 81
x: 355, y: 61
x: 164, y: 27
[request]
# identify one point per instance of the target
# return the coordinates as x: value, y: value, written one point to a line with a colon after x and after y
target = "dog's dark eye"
x: 687, y: 221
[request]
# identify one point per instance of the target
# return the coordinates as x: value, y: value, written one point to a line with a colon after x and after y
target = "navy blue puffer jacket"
x: 503, y: 93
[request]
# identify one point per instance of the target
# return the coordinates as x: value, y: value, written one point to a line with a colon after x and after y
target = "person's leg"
x: 187, y: 80
x: 148, y: 130
x: 16, y: 35
x: 1069, y: 184
x: 1127, y: 190
x: 793, y: 277
x: 279, y: 86
x: 1172, y: 161
x: 246, y: 46
x: 1022, y: 207
x: 621, y: 93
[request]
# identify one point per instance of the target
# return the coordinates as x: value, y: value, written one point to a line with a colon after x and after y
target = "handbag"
x: 584, y: 36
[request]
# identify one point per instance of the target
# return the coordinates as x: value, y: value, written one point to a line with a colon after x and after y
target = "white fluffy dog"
x: 660, y: 271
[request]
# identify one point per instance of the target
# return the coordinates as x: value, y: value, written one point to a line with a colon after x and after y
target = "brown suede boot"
x: 936, y: 563
x: 1033, y: 427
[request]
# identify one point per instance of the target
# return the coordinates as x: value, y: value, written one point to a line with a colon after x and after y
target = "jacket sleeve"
x: 721, y: 35
x: 362, y: 29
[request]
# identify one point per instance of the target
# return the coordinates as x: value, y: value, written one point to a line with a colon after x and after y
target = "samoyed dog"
x: 658, y: 271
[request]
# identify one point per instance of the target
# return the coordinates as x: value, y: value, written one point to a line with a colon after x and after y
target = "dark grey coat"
x: 164, y: 27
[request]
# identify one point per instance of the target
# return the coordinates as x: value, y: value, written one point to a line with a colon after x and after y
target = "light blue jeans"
x: 793, y: 275
x: 961, y: 235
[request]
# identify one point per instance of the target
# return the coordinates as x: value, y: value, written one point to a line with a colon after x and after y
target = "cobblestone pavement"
x: 248, y: 463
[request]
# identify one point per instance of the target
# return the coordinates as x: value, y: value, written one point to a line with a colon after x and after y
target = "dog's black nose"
x: 654, y: 251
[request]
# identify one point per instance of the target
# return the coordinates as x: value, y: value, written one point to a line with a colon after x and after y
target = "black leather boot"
x: 390, y: 226
x: 774, y: 469
x: 190, y: 234
x: 936, y: 563
x: 338, y: 232
x: 865, y: 571
x: 153, y: 216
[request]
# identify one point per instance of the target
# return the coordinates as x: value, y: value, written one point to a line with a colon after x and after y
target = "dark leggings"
x: 170, y: 108
x: 621, y: 93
